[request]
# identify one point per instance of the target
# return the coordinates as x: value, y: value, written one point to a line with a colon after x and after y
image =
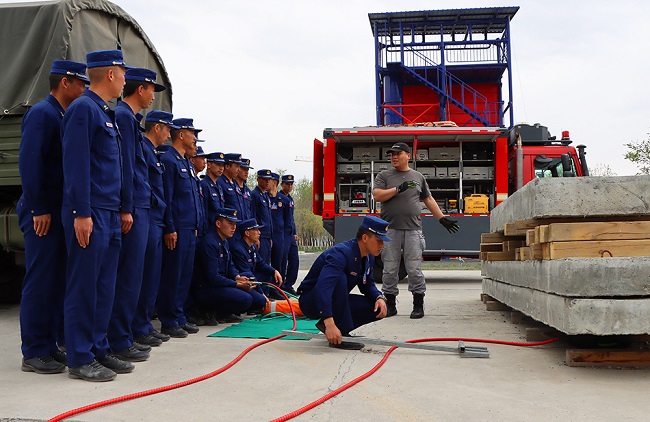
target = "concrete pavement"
x: 514, y: 384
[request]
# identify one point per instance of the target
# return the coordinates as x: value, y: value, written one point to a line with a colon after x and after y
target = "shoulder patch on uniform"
x: 279, y: 204
x: 109, y: 124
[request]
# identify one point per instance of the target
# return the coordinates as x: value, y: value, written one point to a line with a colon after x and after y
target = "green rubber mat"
x: 267, y: 328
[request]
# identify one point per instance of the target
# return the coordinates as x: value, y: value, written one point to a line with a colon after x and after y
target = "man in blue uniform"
x: 39, y: 214
x: 221, y: 286
x: 289, y: 269
x: 92, y: 175
x: 139, y: 93
x: 213, y: 197
x: 262, y: 212
x: 244, y: 191
x: 181, y: 225
x: 325, y: 291
x: 246, y: 258
x: 277, y: 228
x: 158, y: 125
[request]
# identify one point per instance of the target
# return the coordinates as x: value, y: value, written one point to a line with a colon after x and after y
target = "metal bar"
x: 462, y: 350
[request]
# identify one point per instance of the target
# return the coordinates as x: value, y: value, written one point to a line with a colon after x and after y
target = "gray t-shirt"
x: 403, y: 210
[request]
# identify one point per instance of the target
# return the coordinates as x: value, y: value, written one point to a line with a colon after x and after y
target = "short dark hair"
x: 131, y: 86
x: 175, y: 132
x: 148, y: 126
x: 55, y: 80
x: 361, y: 232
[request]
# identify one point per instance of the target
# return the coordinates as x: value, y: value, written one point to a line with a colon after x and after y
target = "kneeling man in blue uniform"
x: 325, y: 291
x: 220, y: 285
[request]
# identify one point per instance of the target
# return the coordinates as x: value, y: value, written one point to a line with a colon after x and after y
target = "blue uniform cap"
x: 103, y: 58
x: 265, y: 174
x: 216, y: 157
x: 275, y: 176
x: 287, y: 178
x: 246, y: 163
x: 160, y: 116
x: 227, y: 213
x: 184, y: 123
x: 233, y: 157
x: 144, y: 75
x: 376, y: 226
x: 200, y: 152
x: 70, y: 68
x: 251, y: 223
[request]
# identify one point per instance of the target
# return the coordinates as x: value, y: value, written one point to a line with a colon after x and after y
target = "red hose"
x: 248, y: 349
x: 140, y: 394
x: 385, y: 358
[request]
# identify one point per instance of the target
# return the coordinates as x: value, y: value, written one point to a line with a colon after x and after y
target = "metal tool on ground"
x: 462, y: 350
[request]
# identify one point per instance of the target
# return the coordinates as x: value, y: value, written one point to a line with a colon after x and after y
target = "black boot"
x: 390, y: 304
x: 418, y: 306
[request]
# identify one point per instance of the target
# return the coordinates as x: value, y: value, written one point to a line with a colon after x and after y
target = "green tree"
x: 639, y: 154
x: 309, y: 226
x: 601, y: 169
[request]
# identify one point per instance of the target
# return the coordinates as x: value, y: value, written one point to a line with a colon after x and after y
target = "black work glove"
x: 406, y: 185
x: 449, y: 224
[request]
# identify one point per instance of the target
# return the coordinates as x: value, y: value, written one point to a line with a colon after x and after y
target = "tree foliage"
x: 601, y: 169
x: 309, y: 226
x: 639, y: 154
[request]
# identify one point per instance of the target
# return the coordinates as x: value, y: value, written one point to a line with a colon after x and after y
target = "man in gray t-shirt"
x: 401, y: 190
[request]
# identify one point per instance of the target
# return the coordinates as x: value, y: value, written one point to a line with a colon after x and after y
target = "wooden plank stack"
x: 546, y: 239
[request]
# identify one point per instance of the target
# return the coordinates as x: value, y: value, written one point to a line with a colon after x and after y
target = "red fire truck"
x: 439, y: 79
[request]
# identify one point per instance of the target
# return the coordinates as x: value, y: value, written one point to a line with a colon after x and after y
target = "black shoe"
x: 347, y: 345
x: 196, y: 320
x: 291, y: 291
x: 418, y: 306
x: 321, y: 326
x: 161, y: 336
x: 42, y: 365
x: 131, y: 354
x: 229, y: 318
x: 176, y: 332
x: 190, y: 328
x: 61, y: 357
x: 275, y: 295
x: 142, y: 347
x: 210, y: 319
x: 390, y: 305
x: 118, y: 366
x: 149, y: 340
x: 93, y: 371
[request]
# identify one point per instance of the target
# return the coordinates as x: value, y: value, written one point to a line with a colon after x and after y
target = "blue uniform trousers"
x: 290, y: 262
x: 230, y: 300
x: 41, y: 304
x: 141, y: 325
x: 349, y: 311
x: 90, y: 285
x: 129, y: 281
x: 277, y: 253
x: 176, y: 277
x: 265, y: 250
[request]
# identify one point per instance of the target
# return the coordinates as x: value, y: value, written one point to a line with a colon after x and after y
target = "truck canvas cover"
x: 32, y: 35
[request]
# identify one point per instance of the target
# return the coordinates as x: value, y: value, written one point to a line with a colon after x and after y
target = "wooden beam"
x: 531, y: 236
x: 492, y: 237
x: 616, y: 230
x: 536, y: 251
x: 613, y: 357
x: 493, y: 305
x: 491, y: 247
x: 596, y: 249
x: 511, y: 245
x: 499, y: 256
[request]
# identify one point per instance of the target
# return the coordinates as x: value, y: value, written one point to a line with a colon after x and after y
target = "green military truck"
x: 32, y: 35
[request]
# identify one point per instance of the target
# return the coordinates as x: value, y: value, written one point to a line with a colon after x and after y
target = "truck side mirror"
x: 567, y: 166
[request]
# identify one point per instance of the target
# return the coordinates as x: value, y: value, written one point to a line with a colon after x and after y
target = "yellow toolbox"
x: 476, y: 204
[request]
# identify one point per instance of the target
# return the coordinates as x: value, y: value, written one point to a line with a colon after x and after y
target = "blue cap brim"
x: 383, y: 237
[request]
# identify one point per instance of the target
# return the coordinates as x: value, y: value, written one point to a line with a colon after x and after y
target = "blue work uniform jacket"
x: 181, y: 192
x: 277, y: 216
x: 136, y: 191
x: 231, y: 198
x: 262, y: 211
x: 212, y: 200
x: 91, y: 156
x: 199, y: 200
x: 40, y: 159
x: 289, y: 225
x: 244, y: 194
x: 343, y: 259
x: 247, y: 260
x: 155, y: 170
x: 217, y: 268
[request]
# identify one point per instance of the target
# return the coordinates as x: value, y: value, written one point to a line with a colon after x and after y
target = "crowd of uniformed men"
x: 119, y: 225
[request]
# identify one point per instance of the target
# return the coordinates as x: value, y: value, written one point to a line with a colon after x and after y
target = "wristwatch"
x: 381, y: 296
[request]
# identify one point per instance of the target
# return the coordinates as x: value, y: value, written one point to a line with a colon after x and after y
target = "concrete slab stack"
x: 602, y: 296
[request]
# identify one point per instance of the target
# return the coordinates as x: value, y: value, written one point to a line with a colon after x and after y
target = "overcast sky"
x: 264, y: 78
